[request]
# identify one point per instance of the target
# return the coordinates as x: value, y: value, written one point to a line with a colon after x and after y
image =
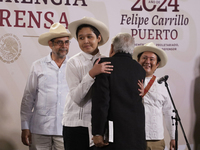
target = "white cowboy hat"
x: 151, y: 47
x: 100, y: 26
x: 56, y: 30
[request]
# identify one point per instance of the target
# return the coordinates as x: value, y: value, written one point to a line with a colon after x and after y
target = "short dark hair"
x: 140, y: 54
x: 96, y: 32
x: 52, y: 40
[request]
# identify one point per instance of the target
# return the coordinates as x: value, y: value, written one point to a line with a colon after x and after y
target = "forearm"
x: 100, y: 104
x: 170, y: 124
x: 28, y: 101
x: 26, y: 113
x: 78, y: 91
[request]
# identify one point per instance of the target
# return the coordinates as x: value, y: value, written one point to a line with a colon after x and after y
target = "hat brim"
x: 161, y: 53
x: 93, y: 22
x: 46, y: 37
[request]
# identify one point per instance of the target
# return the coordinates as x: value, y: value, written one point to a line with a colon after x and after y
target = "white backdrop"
x: 171, y: 24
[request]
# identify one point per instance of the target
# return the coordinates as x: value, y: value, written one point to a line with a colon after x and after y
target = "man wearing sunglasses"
x: 45, y: 94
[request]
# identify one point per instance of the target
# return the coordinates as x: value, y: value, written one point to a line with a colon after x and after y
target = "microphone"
x: 163, y: 79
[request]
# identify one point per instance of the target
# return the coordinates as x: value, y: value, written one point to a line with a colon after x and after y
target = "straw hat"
x: 100, y: 26
x: 56, y: 30
x: 151, y: 47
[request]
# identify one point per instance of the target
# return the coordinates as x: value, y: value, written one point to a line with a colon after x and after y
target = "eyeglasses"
x: 60, y: 43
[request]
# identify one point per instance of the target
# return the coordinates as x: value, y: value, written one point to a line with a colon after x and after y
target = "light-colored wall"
x: 20, y: 32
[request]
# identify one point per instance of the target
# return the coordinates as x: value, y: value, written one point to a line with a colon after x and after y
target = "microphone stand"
x: 177, y: 119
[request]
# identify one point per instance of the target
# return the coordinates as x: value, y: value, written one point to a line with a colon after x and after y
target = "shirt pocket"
x: 159, y: 100
x: 42, y: 112
x: 154, y: 98
x: 41, y: 80
x: 47, y: 112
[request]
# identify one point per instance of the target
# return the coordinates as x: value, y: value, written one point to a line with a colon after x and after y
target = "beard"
x: 60, y: 52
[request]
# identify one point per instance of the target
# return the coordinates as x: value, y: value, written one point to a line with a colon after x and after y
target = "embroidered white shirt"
x: 157, y: 104
x: 44, y: 97
x: 77, y: 110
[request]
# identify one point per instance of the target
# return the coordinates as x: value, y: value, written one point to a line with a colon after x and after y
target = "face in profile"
x: 88, y: 41
x: 148, y: 61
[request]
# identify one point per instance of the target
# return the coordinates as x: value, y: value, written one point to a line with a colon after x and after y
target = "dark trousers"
x: 76, y: 138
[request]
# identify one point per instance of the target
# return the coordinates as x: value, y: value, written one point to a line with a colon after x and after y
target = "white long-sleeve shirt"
x: 44, y: 97
x: 157, y: 104
x: 77, y: 110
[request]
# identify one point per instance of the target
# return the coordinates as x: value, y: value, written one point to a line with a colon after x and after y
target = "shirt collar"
x: 49, y: 59
x: 91, y: 57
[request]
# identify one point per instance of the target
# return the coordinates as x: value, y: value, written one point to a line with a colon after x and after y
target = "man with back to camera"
x: 157, y: 102
x: 116, y: 99
x: 45, y: 93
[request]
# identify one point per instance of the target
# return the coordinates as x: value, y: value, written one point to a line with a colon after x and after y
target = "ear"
x: 111, y: 51
x: 99, y: 38
x: 50, y: 44
x: 157, y: 65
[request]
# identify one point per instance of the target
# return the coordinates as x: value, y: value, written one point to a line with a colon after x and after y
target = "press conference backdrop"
x: 172, y: 25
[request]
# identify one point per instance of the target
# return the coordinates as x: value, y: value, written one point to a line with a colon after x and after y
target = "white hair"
x: 123, y: 42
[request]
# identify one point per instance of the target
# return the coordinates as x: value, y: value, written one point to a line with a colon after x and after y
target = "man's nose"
x: 147, y: 60
x: 86, y: 40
